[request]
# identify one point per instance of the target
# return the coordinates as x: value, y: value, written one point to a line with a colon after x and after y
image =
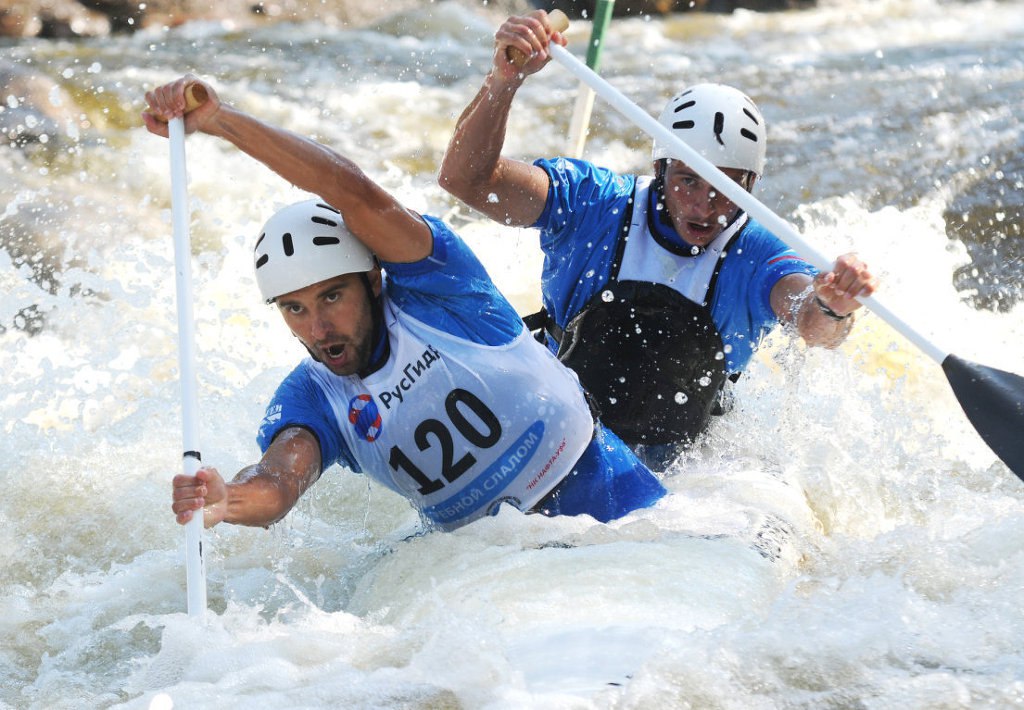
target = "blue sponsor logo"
x: 483, y: 489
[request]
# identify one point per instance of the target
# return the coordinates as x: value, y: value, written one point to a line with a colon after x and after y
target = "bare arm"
x: 387, y: 228
x: 799, y: 300
x: 509, y: 191
x: 259, y: 495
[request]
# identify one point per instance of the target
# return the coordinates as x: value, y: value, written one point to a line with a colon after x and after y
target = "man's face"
x: 698, y: 211
x: 334, y: 320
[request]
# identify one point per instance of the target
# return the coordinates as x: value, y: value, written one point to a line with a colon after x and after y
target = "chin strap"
x: 658, y: 190
x: 659, y: 222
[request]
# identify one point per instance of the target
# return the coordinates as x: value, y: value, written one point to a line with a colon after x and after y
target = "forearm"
x: 471, y: 165
x: 263, y: 493
x: 818, y: 327
x: 304, y: 163
x: 256, y: 497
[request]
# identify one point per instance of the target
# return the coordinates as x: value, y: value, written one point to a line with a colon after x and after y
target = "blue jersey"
x: 450, y: 291
x: 580, y: 227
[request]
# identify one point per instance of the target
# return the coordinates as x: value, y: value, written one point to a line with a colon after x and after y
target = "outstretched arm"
x: 388, y: 229
x: 259, y: 495
x: 819, y: 308
x: 509, y: 191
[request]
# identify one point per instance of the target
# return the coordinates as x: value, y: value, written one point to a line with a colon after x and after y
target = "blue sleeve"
x: 579, y: 227
x: 299, y: 402
x: 583, y: 199
x: 742, y: 307
x: 777, y: 260
x: 451, y: 290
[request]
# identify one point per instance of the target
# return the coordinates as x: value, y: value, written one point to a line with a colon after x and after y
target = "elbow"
x: 455, y: 182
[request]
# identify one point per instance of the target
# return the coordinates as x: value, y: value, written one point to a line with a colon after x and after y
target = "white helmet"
x: 304, y: 244
x: 719, y: 122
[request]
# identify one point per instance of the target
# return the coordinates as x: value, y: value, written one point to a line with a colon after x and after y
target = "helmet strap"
x: 658, y: 188
x: 659, y: 221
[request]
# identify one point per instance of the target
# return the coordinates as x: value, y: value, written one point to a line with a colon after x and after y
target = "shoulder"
x: 768, y: 253
x: 566, y: 172
x: 451, y: 268
x: 300, y: 402
x: 576, y: 184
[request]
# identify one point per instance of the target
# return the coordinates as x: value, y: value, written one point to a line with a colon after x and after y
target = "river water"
x: 843, y: 539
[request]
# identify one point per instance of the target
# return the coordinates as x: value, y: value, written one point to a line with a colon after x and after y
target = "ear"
x: 373, y: 276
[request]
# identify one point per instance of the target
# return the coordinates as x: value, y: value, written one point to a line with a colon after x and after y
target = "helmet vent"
x: 325, y: 241
x: 719, y: 127
x: 286, y: 242
x: 748, y: 135
x: 263, y: 259
x: 324, y: 220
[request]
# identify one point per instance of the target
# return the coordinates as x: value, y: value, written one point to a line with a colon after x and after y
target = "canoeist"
x: 656, y: 290
x: 420, y: 374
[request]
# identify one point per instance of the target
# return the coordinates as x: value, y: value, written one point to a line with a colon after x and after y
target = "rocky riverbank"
x: 88, y: 18
x: 65, y: 19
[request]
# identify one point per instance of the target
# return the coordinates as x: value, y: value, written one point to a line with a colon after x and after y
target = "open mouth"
x: 334, y: 355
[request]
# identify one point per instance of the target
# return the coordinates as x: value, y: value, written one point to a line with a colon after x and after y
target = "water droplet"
x: 607, y: 296
x: 705, y: 381
x: 681, y: 398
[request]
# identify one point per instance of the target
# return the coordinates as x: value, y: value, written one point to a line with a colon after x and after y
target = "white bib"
x: 457, y: 427
x: 645, y: 260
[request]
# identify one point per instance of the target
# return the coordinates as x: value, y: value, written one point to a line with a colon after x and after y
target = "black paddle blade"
x: 994, y: 403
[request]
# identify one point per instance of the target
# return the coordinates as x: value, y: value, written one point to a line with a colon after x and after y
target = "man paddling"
x: 420, y: 374
x: 656, y: 290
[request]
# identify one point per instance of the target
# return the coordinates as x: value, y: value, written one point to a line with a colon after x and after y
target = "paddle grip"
x: 559, y: 23
x: 195, y: 96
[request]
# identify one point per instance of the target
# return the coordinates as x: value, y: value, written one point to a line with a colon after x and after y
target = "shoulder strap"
x: 620, y: 242
x: 541, y: 322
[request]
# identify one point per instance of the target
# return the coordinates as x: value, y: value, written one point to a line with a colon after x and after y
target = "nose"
x: 705, y: 199
x: 319, y: 327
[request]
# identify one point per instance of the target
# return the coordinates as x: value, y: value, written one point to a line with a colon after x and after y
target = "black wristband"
x: 828, y: 311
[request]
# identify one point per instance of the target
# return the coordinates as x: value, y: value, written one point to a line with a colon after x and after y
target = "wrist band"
x: 828, y: 311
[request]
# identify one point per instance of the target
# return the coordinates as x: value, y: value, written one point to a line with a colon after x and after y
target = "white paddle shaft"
x: 195, y: 572
x: 740, y: 197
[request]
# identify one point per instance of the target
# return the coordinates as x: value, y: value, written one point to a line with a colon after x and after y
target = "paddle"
x: 992, y: 399
x: 195, y: 571
x: 585, y: 99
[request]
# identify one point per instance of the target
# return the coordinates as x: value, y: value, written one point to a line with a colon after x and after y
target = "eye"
x: 333, y: 297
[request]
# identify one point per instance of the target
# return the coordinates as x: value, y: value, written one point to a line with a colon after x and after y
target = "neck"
x: 379, y: 335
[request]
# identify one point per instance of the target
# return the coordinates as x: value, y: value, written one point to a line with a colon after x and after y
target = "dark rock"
x: 35, y: 108
x: 987, y: 216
